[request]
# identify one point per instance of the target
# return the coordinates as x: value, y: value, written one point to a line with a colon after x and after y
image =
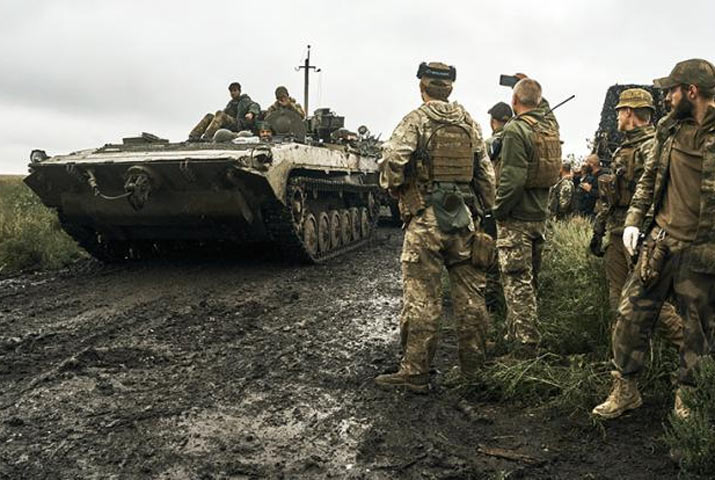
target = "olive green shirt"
x: 513, y: 200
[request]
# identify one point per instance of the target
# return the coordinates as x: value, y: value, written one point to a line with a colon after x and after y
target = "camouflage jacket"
x: 512, y: 199
x: 650, y: 191
x: 292, y: 105
x: 493, y: 145
x: 561, y: 198
x: 638, y: 145
x: 419, y: 125
x: 239, y: 108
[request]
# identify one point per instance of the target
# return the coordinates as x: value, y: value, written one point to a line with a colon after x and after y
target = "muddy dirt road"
x: 209, y: 369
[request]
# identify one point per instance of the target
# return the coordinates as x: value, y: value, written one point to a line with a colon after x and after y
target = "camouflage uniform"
x: 688, y: 269
x: 561, y: 197
x: 292, y: 105
x: 231, y: 117
x: 627, y: 167
x: 427, y: 248
x: 494, y: 291
x: 521, y: 222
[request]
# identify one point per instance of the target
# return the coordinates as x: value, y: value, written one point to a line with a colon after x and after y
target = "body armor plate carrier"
x: 450, y: 152
x: 544, y: 172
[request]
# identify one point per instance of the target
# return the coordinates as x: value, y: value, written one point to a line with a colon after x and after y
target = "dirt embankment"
x: 256, y: 369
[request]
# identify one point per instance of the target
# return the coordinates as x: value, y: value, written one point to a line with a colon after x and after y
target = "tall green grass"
x: 30, y: 233
x: 694, y: 437
x: 570, y: 372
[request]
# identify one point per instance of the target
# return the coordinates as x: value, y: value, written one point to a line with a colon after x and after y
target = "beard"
x: 684, y: 109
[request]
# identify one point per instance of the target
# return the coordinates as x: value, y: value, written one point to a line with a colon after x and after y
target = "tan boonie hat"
x: 695, y: 71
x: 635, y: 98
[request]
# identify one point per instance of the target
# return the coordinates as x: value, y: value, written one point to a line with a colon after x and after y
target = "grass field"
x: 30, y: 233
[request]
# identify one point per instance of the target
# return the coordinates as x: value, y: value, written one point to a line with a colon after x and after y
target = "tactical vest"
x: 544, y: 171
x: 617, y: 188
x: 450, y: 153
x: 443, y: 161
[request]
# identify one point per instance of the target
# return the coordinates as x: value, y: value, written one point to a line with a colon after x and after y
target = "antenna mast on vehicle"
x: 307, y: 67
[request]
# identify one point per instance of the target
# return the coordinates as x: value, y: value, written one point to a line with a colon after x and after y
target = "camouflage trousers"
x: 618, y: 268
x: 426, y: 251
x: 640, y: 306
x: 493, y: 295
x: 519, y: 246
x: 211, y: 123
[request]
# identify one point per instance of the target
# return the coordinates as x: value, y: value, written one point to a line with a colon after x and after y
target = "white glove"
x: 630, y: 239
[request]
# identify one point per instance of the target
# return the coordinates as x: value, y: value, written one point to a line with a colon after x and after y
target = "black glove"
x: 595, y: 245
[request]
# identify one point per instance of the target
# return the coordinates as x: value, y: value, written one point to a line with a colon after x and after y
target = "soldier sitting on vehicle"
x: 239, y: 114
x: 285, y: 102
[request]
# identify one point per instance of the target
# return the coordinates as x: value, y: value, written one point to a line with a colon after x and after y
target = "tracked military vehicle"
x: 312, y: 198
x: 607, y: 137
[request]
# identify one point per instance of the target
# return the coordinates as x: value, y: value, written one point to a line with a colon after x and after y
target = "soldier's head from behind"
x: 282, y: 96
x: 500, y: 114
x: 526, y: 95
x: 690, y: 87
x: 436, y: 80
x: 566, y: 169
x: 635, y: 109
x: 235, y: 90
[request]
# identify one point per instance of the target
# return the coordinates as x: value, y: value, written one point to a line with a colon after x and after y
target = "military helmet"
x: 501, y: 111
x: 695, y: 71
x: 436, y: 73
x: 281, y: 92
x: 635, y: 98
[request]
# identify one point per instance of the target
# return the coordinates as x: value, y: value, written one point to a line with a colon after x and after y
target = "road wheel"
x: 334, y: 228
x: 310, y: 234
x: 323, y: 232
x: 364, y: 222
x: 355, y: 223
x: 345, y: 227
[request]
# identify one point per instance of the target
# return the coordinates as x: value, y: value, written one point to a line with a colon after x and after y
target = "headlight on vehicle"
x: 37, y: 156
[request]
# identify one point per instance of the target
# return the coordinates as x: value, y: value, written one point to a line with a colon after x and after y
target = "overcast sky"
x: 81, y: 73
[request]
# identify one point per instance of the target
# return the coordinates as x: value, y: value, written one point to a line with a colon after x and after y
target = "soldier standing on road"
x: 285, y: 102
x: 531, y: 161
x: 435, y: 164
x: 635, y: 108
x: 499, y: 114
x: 673, y: 204
x: 239, y: 114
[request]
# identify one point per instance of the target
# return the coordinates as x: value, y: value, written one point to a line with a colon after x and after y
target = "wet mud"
x: 252, y: 368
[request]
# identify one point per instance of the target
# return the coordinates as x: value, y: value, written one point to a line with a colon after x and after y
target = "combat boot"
x: 680, y: 410
x: 414, y: 383
x: 624, y: 396
x: 200, y: 127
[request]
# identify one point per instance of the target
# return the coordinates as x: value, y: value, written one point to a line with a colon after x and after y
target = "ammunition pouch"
x: 450, y: 207
x: 652, y: 259
x: 544, y: 171
x: 484, y: 250
x: 412, y: 201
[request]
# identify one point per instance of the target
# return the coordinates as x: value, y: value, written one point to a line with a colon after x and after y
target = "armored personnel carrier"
x: 607, y: 137
x: 312, y: 198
